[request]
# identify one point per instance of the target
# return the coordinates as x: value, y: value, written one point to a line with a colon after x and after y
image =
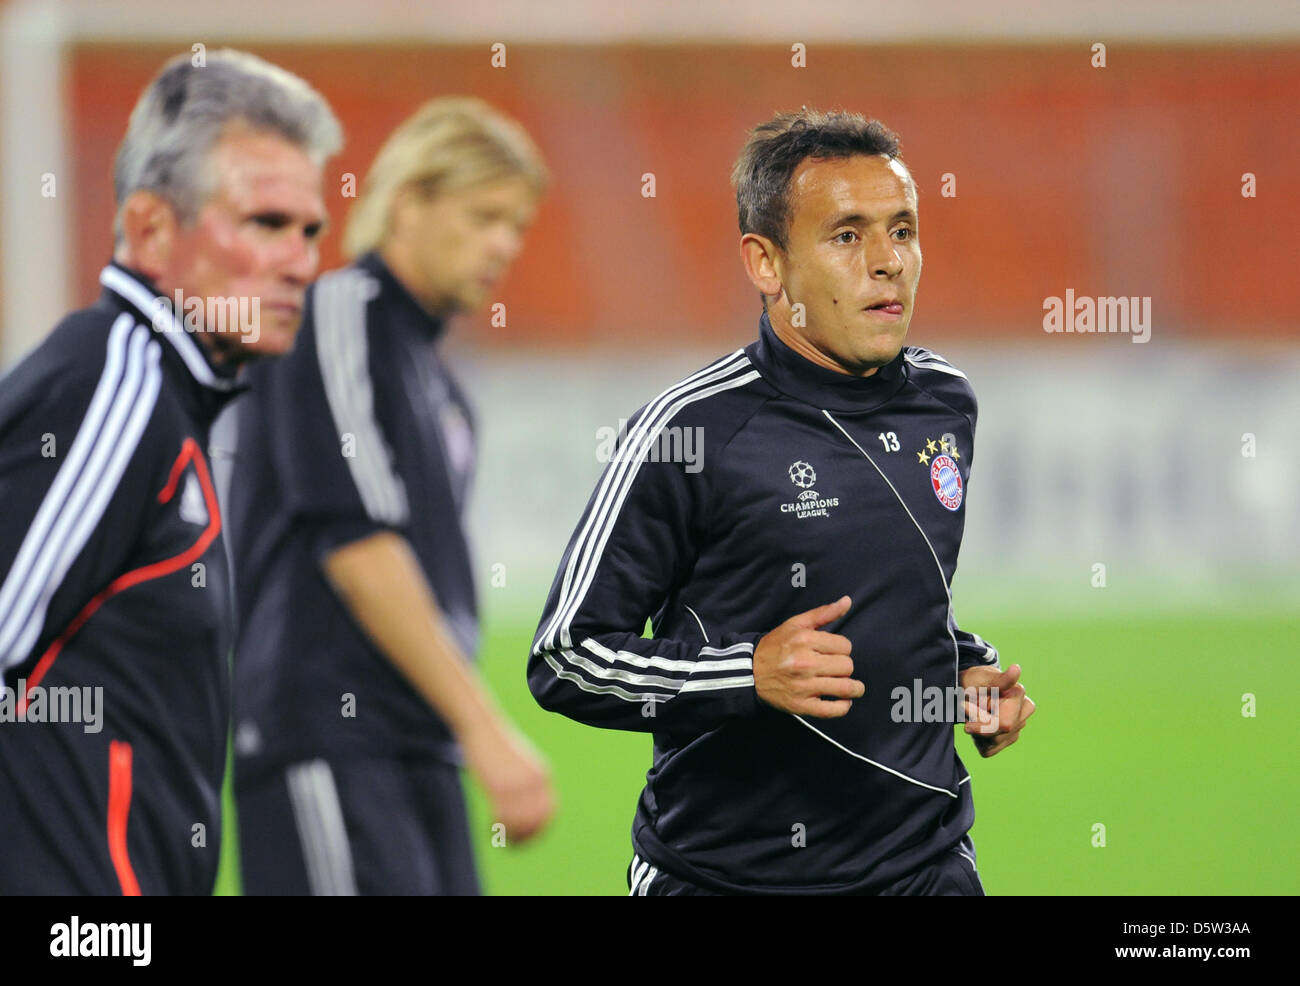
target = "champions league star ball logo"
x: 945, y: 477
x: 809, y: 503
x: 802, y: 475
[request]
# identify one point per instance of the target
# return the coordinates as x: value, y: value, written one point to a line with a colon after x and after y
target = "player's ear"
x: 149, y: 228
x: 761, y: 258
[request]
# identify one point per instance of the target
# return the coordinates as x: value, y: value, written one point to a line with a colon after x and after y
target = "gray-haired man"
x: 115, y: 611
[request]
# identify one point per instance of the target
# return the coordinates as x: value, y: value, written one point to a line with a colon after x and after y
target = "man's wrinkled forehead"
x: 840, y: 185
x: 258, y: 171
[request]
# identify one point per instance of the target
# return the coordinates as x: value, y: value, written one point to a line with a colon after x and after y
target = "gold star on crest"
x: 930, y: 446
x: 923, y: 458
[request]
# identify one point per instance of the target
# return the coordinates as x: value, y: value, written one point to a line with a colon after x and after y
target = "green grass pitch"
x: 1139, y: 728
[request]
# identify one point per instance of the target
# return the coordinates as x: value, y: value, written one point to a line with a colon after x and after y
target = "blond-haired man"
x: 356, y: 702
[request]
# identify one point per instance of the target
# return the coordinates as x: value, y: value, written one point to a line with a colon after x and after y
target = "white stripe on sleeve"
x: 926, y: 360
x: 107, y: 438
x: 617, y: 483
x: 341, y: 348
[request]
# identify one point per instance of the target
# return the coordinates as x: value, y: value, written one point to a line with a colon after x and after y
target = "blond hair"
x: 449, y: 143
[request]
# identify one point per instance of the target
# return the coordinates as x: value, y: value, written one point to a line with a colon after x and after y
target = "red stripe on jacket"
x: 189, y: 452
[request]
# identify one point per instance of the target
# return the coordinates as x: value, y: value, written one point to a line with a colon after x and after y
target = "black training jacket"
x: 756, y: 489
x: 360, y: 429
x: 115, y: 610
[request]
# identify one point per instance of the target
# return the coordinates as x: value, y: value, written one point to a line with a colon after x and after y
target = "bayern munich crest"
x: 946, y: 480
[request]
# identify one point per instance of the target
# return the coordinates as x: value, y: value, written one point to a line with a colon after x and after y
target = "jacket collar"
x: 396, y: 293
x: 798, y: 377
x: 136, y: 292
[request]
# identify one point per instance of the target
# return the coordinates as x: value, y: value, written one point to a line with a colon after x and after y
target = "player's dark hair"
x: 775, y: 149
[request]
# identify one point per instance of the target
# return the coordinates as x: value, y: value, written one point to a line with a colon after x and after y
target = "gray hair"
x: 185, y: 110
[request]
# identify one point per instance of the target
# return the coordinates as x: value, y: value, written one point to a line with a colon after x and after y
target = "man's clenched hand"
x: 802, y: 669
x: 996, y: 707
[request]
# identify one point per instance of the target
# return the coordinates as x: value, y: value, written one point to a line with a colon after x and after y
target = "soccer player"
x: 797, y: 576
x: 355, y: 702
x: 115, y: 618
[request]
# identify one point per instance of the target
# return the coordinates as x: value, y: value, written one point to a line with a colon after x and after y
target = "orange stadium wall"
x: 1122, y: 180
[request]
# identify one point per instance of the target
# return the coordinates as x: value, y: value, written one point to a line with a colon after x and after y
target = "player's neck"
x: 802, y: 346
x: 402, y: 265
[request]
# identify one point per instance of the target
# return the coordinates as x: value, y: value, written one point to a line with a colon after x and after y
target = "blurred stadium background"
x: 1172, y: 463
